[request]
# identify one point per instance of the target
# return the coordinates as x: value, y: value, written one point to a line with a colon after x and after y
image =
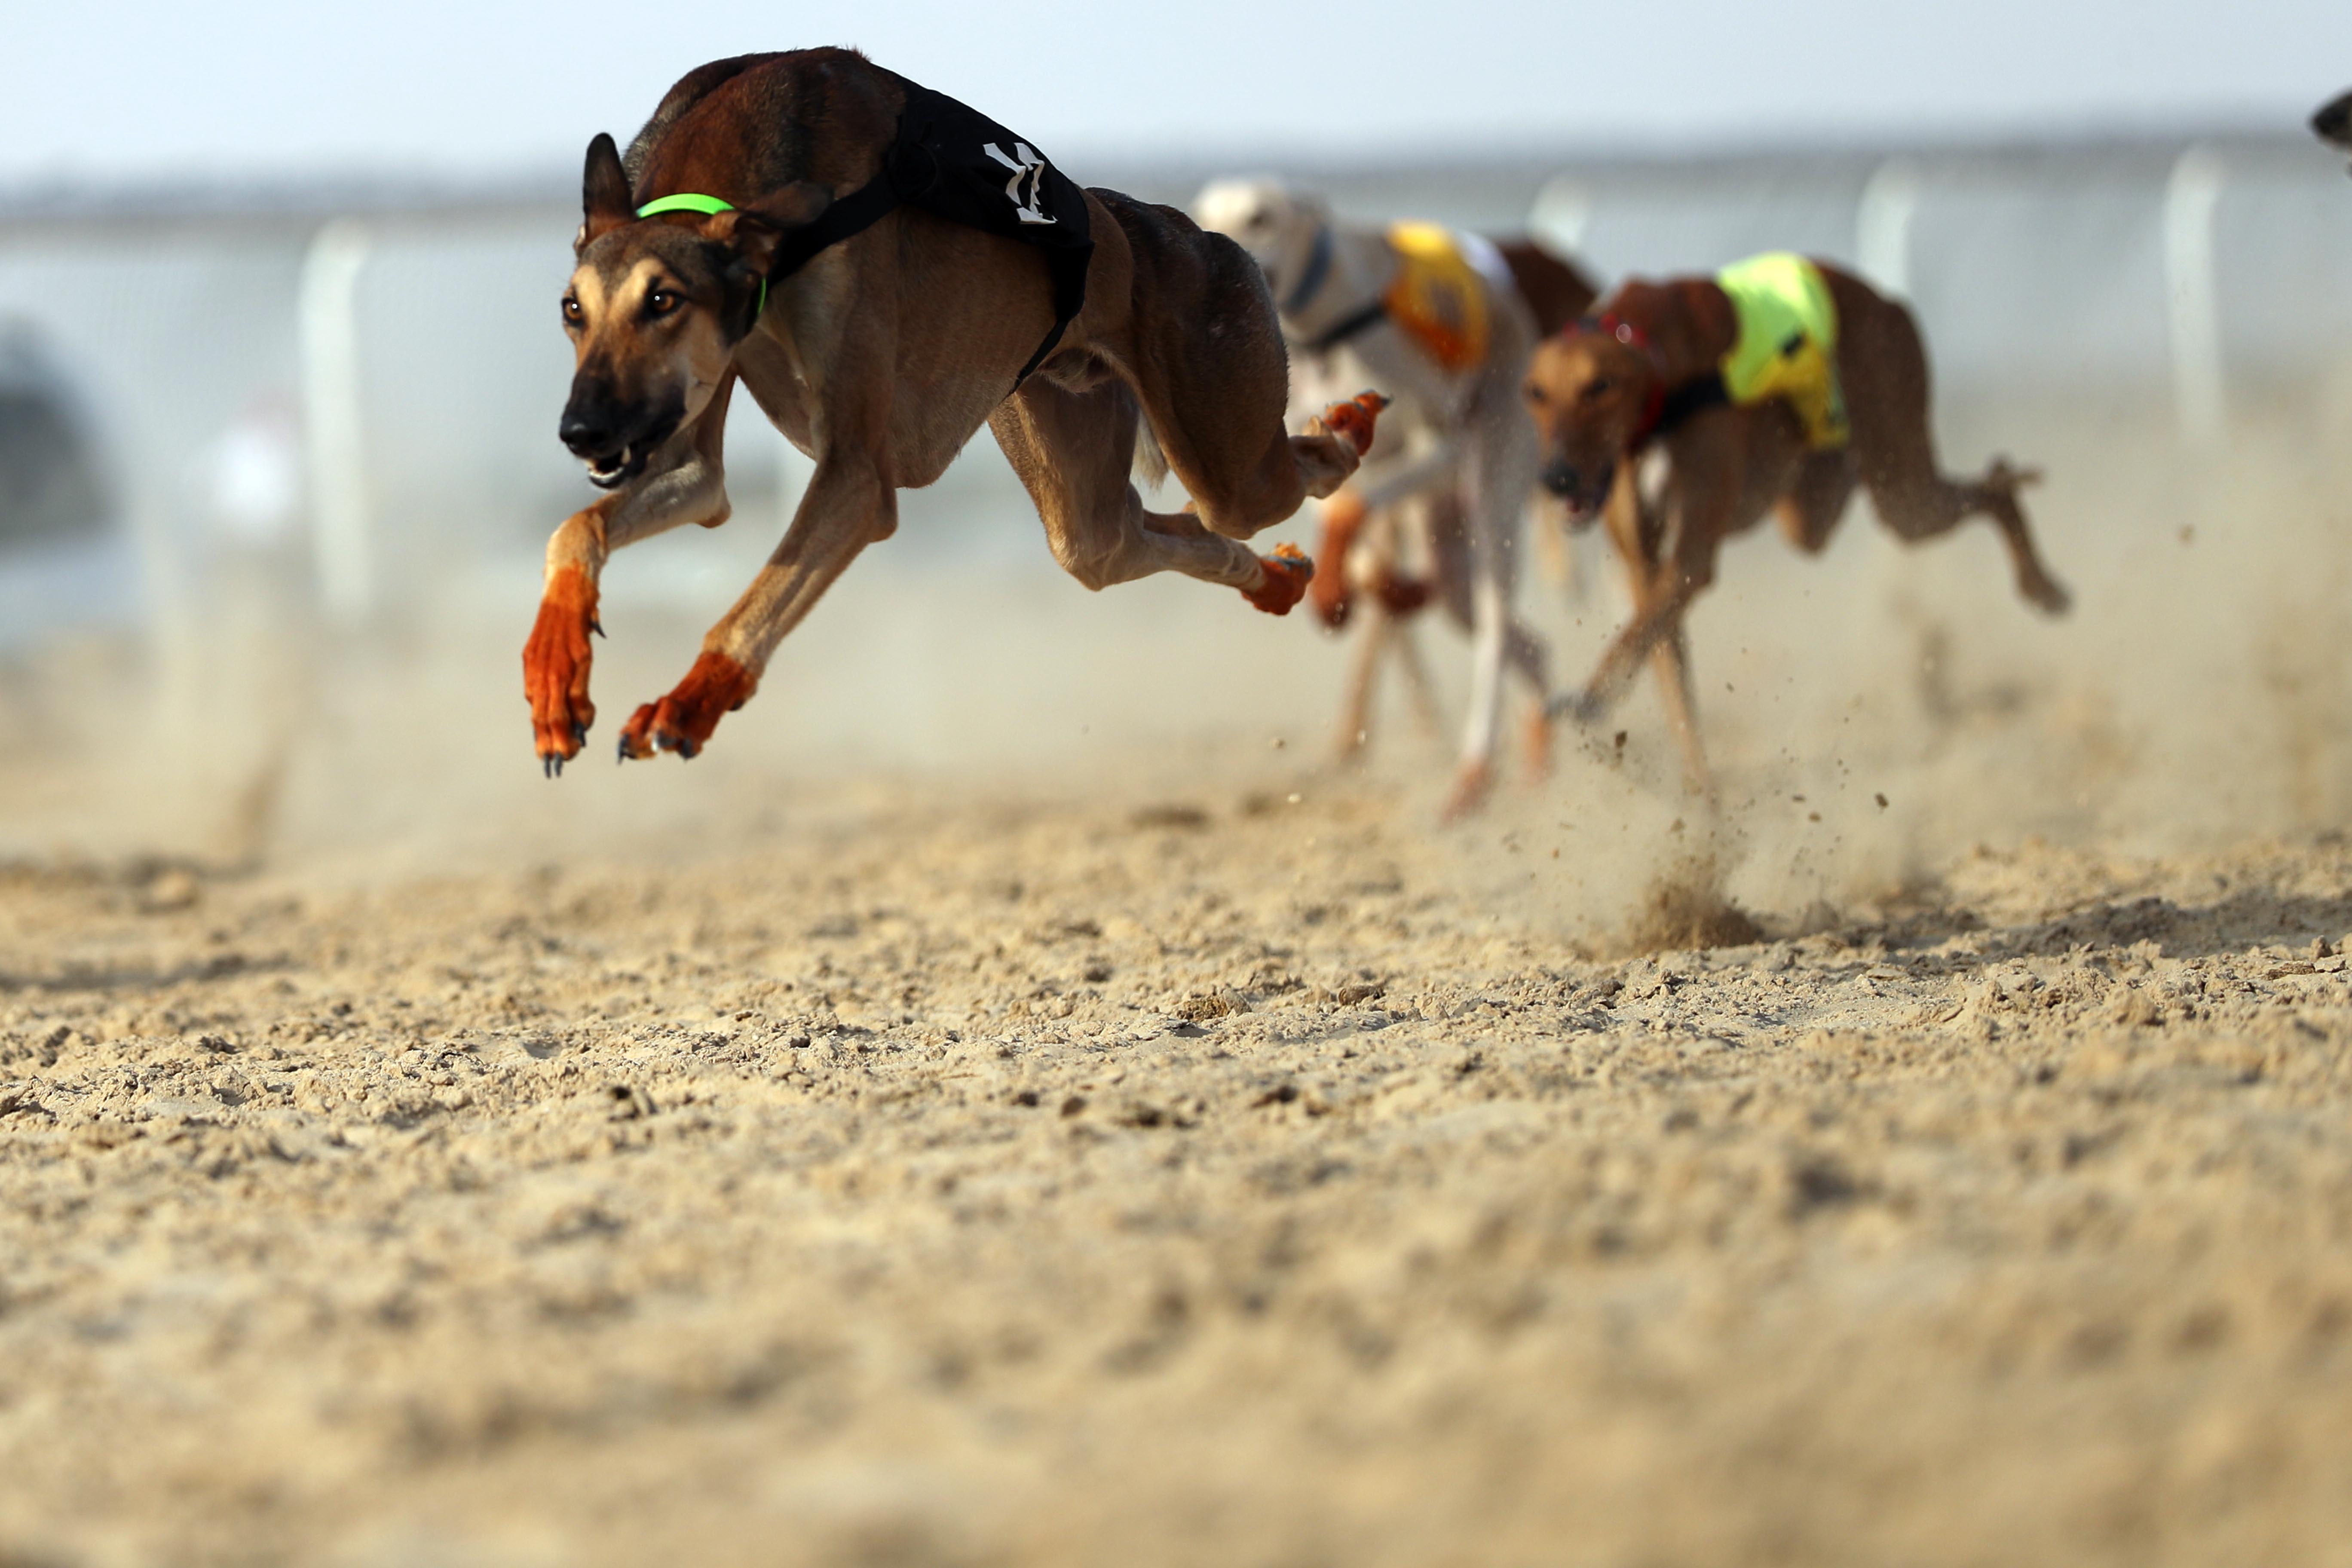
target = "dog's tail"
x: 1150, y: 463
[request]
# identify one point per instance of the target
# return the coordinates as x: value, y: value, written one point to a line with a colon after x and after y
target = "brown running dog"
x: 880, y: 356
x: 1646, y: 375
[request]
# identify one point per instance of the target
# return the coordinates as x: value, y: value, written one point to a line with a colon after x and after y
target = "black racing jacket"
x: 955, y: 163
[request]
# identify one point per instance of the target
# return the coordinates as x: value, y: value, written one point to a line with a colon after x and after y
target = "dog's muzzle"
x: 614, y: 443
x: 1583, y: 491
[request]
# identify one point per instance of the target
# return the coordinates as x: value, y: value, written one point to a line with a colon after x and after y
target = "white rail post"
x: 2193, y: 295
x: 331, y: 429
x: 1882, y: 226
x: 1562, y: 213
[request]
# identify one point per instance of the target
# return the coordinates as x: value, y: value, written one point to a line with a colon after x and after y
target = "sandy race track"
x: 1204, y: 1182
x: 1010, y: 1103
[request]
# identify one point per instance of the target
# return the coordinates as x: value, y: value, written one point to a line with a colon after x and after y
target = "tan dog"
x: 1646, y: 375
x: 882, y: 350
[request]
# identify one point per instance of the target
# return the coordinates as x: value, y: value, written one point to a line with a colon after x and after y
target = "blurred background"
x: 280, y: 367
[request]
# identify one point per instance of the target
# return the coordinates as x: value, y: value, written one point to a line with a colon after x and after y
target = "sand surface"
x: 941, y: 1180
x: 976, y: 1115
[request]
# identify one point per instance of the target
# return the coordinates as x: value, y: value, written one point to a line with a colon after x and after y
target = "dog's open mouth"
x: 617, y: 468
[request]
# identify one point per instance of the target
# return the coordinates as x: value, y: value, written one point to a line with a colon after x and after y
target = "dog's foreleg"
x: 1527, y: 653
x: 1621, y: 661
x: 687, y: 483
x: 848, y: 505
x: 1670, y: 661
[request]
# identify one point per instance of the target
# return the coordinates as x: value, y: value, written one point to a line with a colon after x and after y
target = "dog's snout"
x: 1560, y: 478
x: 587, y: 431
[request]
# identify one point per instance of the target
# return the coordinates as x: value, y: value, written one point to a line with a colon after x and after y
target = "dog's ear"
x: 752, y: 233
x: 605, y: 198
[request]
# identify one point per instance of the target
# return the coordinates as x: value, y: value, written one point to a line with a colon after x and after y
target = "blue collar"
x: 1318, y: 267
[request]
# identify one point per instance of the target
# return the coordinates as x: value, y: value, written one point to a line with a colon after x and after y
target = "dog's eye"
x: 661, y: 302
x: 1535, y: 394
x: 1596, y: 387
x: 573, y: 314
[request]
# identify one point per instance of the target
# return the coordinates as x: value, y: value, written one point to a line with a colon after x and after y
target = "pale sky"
x: 132, y: 90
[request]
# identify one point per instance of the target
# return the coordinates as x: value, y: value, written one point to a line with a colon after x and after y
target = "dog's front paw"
x: 1287, y: 574
x: 555, y: 666
x: 683, y: 721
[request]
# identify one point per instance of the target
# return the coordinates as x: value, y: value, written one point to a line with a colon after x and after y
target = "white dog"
x: 1439, y: 322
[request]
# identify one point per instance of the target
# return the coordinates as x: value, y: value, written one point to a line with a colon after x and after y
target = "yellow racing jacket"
x: 1788, y: 343
x: 1438, y: 297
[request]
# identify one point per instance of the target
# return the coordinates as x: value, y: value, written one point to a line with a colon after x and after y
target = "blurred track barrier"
x: 333, y: 417
x: 2192, y: 197
x: 338, y: 414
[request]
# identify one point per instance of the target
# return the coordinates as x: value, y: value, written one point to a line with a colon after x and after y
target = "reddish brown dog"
x: 1605, y: 394
x: 880, y: 357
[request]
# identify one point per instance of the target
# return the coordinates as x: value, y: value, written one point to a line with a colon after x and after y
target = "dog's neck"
x: 1356, y: 272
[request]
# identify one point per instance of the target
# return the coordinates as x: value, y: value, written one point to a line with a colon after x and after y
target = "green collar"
x: 689, y: 203
x: 695, y: 202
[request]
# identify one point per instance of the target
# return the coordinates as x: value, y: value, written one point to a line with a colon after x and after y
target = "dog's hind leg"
x: 1073, y: 452
x: 1887, y: 381
x: 1202, y: 354
x: 1817, y: 499
x: 687, y: 482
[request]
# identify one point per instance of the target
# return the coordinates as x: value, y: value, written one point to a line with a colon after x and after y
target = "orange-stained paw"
x: 683, y: 721
x: 1472, y: 785
x: 1355, y: 418
x: 1343, y: 517
x: 1287, y: 574
x: 555, y: 663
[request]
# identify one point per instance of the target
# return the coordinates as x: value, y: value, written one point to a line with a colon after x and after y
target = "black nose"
x: 1561, y: 479
x: 587, y: 434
